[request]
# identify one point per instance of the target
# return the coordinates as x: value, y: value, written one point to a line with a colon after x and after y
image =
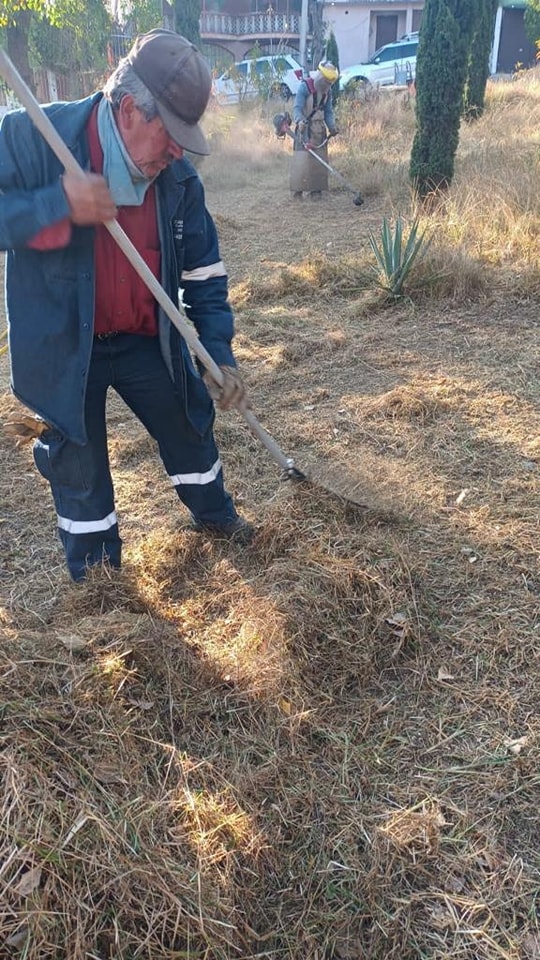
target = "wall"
x: 351, y: 30
x: 354, y: 26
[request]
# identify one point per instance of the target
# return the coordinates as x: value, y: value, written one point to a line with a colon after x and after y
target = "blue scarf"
x: 126, y: 183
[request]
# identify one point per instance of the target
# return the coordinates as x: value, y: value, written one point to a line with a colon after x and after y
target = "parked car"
x: 264, y: 76
x: 393, y: 63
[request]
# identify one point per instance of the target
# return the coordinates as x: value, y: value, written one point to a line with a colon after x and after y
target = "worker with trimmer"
x: 313, y: 115
x: 81, y: 320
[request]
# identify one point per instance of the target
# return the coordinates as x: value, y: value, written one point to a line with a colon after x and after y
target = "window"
x: 262, y: 68
x: 386, y: 54
x: 397, y: 51
x: 407, y: 50
x: 417, y: 19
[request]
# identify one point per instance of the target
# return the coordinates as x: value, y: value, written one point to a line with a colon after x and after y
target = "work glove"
x: 233, y: 392
x: 302, y: 125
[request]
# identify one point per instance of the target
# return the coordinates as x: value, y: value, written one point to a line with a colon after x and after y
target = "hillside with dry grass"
x: 324, y: 746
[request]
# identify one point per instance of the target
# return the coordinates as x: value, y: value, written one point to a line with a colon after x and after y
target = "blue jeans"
x: 80, y: 477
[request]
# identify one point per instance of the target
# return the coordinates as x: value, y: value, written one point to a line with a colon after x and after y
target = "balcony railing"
x: 249, y: 25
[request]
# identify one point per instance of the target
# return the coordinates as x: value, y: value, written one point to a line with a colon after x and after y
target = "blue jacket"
x: 50, y: 294
x: 303, y: 105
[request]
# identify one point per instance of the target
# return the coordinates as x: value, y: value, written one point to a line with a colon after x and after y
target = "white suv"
x: 393, y: 63
x: 264, y: 77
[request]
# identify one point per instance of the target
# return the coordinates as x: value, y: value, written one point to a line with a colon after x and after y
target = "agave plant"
x: 395, y: 256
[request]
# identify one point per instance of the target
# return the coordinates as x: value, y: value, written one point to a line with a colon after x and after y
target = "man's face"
x: 321, y: 83
x: 147, y: 141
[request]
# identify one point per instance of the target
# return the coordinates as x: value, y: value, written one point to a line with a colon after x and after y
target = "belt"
x: 108, y: 335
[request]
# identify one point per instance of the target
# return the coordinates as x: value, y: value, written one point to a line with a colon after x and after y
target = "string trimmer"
x: 59, y: 147
x: 282, y: 125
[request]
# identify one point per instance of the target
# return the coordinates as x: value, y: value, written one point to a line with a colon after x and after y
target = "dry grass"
x: 324, y: 747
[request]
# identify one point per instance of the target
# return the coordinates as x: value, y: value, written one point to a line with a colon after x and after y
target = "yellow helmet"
x: 328, y: 70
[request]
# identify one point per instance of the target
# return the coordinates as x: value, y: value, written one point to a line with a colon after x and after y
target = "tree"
x: 478, y: 71
x: 188, y: 15
x: 16, y: 18
x: 48, y: 31
x: 441, y: 72
x: 532, y: 21
x: 332, y: 54
x: 316, y: 23
x: 139, y: 16
x: 80, y: 43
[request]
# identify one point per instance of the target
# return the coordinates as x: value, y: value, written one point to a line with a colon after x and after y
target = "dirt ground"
x: 325, y: 745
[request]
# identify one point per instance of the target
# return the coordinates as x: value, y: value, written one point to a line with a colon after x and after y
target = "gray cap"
x: 179, y: 78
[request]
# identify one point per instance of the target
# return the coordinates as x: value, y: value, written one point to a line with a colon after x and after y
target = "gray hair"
x: 125, y: 81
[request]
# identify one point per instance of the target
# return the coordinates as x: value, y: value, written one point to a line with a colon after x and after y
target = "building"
x: 235, y: 29
x: 362, y: 26
x: 511, y: 45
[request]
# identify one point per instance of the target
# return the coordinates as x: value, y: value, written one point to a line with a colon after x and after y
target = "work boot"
x: 237, y: 531
x: 297, y: 195
x: 316, y: 195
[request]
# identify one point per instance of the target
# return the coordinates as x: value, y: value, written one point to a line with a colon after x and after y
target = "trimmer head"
x: 282, y: 124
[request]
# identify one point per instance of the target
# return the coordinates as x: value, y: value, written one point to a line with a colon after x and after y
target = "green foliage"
x: 140, y: 15
x: 441, y: 72
x: 478, y: 69
x: 79, y: 44
x: 187, y: 13
x: 532, y: 20
x: 395, y: 256
x: 332, y: 54
x: 69, y: 14
x: 9, y: 9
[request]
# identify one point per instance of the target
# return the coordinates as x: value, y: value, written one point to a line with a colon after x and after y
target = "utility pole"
x: 167, y: 15
x: 303, y: 35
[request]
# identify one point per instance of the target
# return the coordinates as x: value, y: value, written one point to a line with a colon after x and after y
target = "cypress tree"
x: 187, y: 17
x: 441, y: 72
x: 478, y: 71
x: 332, y: 54
x: 532, y: 20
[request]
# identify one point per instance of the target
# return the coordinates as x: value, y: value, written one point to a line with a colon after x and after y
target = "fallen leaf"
x: 397, y: 620
x: 17, y: 939
x: 443, y: 674
x: 29, y: 881
x: 72, y: 641
x: 107, y: 773
x: 285, y: 706
x: 455, y: 884
x: 516, y: 746
x: 531, y: 946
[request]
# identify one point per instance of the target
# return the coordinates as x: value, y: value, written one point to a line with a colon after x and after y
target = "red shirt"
x: 123, y: 302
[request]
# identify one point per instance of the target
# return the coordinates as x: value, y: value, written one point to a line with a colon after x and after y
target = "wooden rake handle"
x: 60, y: 148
